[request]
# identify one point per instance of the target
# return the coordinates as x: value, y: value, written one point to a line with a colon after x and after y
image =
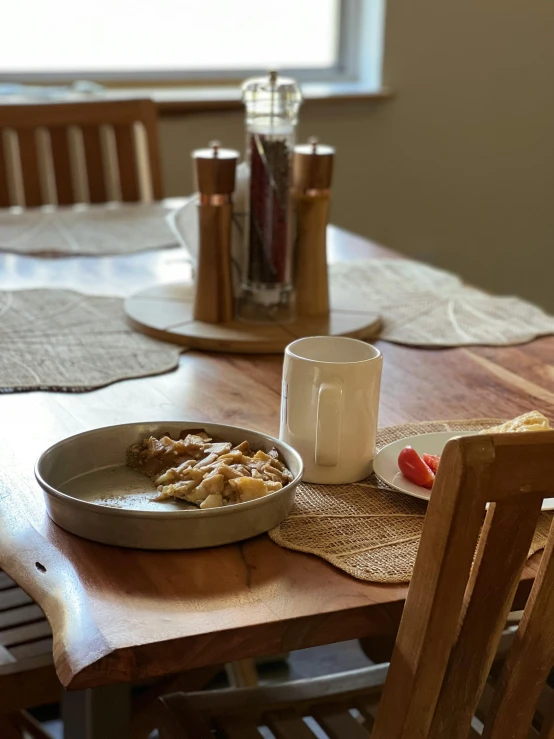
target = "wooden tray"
x: 165, y: 312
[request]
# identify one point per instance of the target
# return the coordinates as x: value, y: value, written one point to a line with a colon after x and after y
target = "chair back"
x: 465, y: 578
x: 65, y: 153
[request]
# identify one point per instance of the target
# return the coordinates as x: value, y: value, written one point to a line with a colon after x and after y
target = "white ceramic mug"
x: 329, y: 406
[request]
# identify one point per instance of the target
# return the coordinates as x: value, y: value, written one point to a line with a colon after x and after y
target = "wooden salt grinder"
x: 312, y: 175
x: 215, y: 181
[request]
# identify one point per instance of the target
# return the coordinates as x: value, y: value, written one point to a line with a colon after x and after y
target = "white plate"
x: 385, y: 464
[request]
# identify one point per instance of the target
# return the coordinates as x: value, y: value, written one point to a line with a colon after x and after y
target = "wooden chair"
x: 440, y: 675
x: 65, y: 153
x: 27, y: 676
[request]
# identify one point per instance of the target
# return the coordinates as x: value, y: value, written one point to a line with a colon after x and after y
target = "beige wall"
x: 458, y: 168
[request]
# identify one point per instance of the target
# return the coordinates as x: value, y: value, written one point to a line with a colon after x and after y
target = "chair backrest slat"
x: 462, y: 588
x: 28, y: 156
x: 4, y: 186
x: 13, y: 164
x: 144, y: 171
x: 506, y: 538
x: 432, y: 611
x: 127, y: 164
x: 111, y: 163
x: 149, y: 122
x: 46, y: 166
x: 79, y: 154
x: 529, y: 660
x: 59, y: 142
x: 78, y: 164
x: 94, y: 164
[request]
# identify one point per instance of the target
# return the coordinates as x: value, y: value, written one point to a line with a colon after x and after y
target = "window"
x: 182, y: 40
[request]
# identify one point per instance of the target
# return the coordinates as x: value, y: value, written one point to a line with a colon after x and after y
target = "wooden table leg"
x: 378, y: 648
x: 101, y: 713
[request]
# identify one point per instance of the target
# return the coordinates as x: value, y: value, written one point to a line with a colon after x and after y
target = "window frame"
x: 361, y: 30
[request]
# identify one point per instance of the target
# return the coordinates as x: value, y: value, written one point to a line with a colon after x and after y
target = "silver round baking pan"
x: 90, y: 491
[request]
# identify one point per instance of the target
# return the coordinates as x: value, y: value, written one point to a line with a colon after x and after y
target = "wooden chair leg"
x: 146, y: 708
x: 242, y: 673
x: 181, y: 724
x: 13, y: 726
x: 10, y: 728
x: 32, y: 727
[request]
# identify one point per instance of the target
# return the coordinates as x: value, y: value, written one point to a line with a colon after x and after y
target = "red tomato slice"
x: 432, y: 461
x: 414, y: 468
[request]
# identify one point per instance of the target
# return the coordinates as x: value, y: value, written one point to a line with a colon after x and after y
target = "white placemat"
x: 421, y: 305
x: 93, y: 230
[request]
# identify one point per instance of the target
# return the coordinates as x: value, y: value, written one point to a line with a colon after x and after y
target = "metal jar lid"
x: 215, y: 169
x: 312, y: 167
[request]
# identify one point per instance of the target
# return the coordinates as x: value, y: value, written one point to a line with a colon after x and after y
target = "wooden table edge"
x: 128, y: 665
x: 95, y: 659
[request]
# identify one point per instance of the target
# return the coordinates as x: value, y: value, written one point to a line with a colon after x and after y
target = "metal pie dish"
x: 90, y: 491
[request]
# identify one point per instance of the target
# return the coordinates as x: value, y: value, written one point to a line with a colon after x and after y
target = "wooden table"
x: 121, y: 615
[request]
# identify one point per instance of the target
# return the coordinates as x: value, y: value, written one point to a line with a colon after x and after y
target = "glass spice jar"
x: 272, y: 105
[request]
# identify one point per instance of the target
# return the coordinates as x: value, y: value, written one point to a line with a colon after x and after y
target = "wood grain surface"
x: 167, y: 312
x: 120, y: 615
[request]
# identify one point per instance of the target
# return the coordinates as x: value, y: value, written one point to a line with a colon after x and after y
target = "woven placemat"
x: 94, y: 230
x: 425, y: 306
x: 367, y: 529
x: 64, y: 340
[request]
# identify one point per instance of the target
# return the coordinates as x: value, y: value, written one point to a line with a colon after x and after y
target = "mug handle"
x: 329, y: 423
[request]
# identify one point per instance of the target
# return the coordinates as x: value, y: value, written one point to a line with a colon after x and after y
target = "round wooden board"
x: 165, y: 312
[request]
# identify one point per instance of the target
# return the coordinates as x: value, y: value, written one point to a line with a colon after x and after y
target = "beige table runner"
x: 64, y: 340
x: 367, y: 529
x: 93, y: 230
x: 425, y: 306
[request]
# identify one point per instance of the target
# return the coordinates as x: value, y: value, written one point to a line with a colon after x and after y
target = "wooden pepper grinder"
x: 312, y: 174
x: 215, y: 181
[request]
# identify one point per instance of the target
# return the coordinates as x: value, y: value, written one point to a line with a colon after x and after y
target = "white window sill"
x: 180, y: 100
